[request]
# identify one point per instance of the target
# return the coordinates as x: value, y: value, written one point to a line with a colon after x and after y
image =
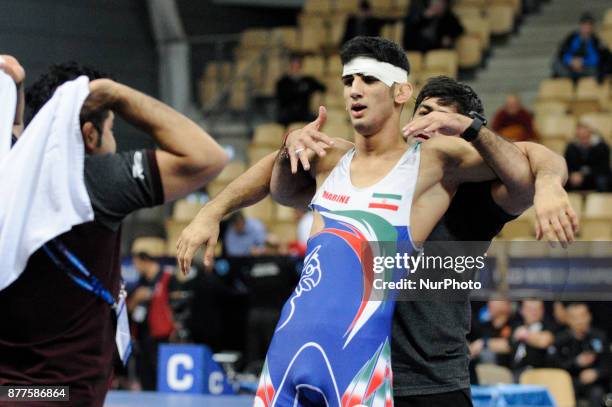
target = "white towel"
x: 42, y: 181
x: 8, y: 104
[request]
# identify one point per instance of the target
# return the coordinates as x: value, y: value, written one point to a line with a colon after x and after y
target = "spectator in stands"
x: 514, y: 121
x: 363, y: 23
x: 588, y: 161
x: 531, y: 340
x: 430, y: 24
x: 293, y: 92
x: 244, y: 236
x: 149, y: 308
x: 181, y: 289
x: 491, y: 338
x: 584, y: 352
x: 579, y: 53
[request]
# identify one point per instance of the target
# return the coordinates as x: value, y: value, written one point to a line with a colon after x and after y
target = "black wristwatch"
x: 471, y: 132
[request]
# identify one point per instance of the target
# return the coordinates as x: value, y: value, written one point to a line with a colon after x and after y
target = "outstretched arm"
x: 556, y: 219
x: 469, y: 162
x: 248, y: 189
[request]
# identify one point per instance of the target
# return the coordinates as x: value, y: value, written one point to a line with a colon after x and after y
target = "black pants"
x: 457, y: 398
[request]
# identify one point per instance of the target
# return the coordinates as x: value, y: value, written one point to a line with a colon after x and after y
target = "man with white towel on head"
x: 60, y: 286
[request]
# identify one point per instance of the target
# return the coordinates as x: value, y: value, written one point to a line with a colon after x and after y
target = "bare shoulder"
x: 447, y: 149
x: 334, y: 154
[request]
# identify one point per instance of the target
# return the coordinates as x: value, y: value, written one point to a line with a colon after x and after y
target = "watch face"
x: 480, y: 117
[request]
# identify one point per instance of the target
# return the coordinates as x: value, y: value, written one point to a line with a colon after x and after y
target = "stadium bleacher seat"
x: 442, y: 60
x: 318, y: 6
x: 415, y: 59
x: 549, y: 108
x: 314, y: 65
x: 490, y: 374
x: 595, y: 229
x: 478, y: 26
x: 558, y: 382
x: 607, y: 20
x: 599, y: 122
x: 264, y: 210
x: 153, y: 246
x: 173, y: 231
x: 284, y: 213
x: 285, y: 231
x: 469, y: 52
x: 598, y: 205
x: 559, y: 89
x: 347, y: 6
x: 556, y: 126
x: 501, y: 19
x: 558, y: 145
x: 185, y: 210
x: 256, y: 153
x: 268, y: 134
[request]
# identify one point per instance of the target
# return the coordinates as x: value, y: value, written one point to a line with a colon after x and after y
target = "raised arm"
x: 11, y: 66
x: 187, y: 157
x: 248, y: 189
x: 468, y: 162
x: 290, y: 185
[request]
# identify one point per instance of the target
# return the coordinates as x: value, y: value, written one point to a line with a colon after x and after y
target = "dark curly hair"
x: 378, y: 48
x: 450, y: 93
x: 41, y: 91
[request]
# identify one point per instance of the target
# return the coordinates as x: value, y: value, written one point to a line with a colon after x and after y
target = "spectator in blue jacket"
x: 580, y: 52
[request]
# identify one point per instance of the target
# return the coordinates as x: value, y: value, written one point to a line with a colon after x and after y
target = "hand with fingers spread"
x: 203, y: 230
x: 556, y: 220
x: 444, y: 123
x: 304, y: 144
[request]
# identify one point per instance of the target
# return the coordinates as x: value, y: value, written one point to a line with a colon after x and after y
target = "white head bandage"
x: 383, y: 71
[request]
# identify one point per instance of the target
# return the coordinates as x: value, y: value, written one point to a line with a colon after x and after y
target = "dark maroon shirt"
x: 53, y: 332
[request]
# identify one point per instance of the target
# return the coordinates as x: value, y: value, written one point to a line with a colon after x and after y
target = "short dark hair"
x: 378, y: 48
x: 587, y: 17
x: 41, y: 91
x: 450, y: 93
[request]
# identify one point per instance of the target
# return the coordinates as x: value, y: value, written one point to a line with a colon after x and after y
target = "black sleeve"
x: 119, y: 184
x: 565, y: 45
x: 473, y: 214
x: 571, y: 157
x: 314, y: 85
x: 601, y: 161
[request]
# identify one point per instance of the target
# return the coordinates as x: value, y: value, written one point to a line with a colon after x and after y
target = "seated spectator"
x: 513, y: 121
x: 150, y: 312
x: 588, y: 161
x: 584, y: 352
x: 430, y: 24
x: 530, y: 340
x: 491, y: 342
x: 181, y: 289
x: 244, y: 236
x: 293, y: 92
x: 363, y: 23
x: 579, y: 53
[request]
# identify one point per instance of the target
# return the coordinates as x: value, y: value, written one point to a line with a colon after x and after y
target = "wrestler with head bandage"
x: 331, y: 344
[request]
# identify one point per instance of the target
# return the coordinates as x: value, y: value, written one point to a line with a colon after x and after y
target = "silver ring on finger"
x: 299, y: 150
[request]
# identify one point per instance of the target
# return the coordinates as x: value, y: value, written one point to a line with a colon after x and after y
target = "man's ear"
x: 402, y: 93
x: 90, y: 136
